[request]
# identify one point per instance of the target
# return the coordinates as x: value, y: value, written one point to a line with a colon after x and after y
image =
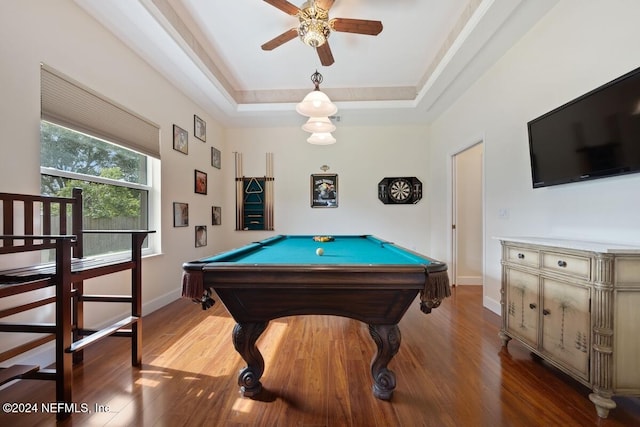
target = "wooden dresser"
x: 576, y: 305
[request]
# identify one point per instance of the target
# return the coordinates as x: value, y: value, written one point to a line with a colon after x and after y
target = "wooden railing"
x: 28, y: 222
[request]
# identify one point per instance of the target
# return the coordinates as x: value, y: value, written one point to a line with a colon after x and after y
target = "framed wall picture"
x: 200, y: 182
x: 180, y: 140
x: 199, y: 128
x: 215, y: 158
x: 180, y: 214
x: 201, y: 236
x: 216, y: 215
x: 324, y: 191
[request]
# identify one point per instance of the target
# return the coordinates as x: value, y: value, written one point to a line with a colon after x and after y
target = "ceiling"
x: 427, y: 54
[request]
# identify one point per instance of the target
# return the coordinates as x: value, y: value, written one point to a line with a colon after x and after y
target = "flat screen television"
x: 594, y: 136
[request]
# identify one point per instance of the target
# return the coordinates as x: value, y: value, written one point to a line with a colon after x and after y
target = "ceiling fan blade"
x: 324, y: 52
x: 284, y: 6
x: 281, y: 39
x: 358, y: 26
x: 325, y: 4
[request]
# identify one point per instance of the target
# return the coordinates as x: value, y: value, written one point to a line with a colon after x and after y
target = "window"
x: 93, y: 143
x: 113, y: 181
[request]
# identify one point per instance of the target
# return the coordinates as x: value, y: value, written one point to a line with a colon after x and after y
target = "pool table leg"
x: 387, y: 339
x: 245, y: 336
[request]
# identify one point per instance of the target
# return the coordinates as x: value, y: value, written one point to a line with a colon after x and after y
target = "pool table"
x: 359, y: 277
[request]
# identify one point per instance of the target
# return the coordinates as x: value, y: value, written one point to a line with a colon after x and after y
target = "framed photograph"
x: 180, y: 140
x: 200, y: 180
x: 199, y: 128
x: 201, y: 236
x: 216, y: 215
x: 180, y: 214
x: 215, y: 158
x: 324, y: 191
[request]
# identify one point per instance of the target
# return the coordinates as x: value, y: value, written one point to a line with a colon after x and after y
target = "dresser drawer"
x: 523, y: 256
x: 571, y: 265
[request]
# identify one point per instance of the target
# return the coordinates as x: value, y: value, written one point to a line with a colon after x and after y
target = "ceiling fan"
x: 315, y: 26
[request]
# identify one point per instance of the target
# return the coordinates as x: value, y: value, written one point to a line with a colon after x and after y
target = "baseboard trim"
x: 492, y: 305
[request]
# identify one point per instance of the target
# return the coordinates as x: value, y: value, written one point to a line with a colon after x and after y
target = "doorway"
x: 467, y: 221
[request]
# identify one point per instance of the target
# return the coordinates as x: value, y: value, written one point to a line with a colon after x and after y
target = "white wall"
x: 575, y: 48
x: 361, y: 158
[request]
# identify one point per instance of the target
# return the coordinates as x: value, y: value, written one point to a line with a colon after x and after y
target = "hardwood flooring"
x: 451, y: 371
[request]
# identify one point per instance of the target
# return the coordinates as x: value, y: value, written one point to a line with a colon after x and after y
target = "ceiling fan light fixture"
x: 315, y: 26
x: 319, y: 125
x: 321, y: 138
x: 314, y: 32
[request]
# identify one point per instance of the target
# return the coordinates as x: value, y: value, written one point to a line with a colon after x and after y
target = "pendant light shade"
x: 318, y: 125
x: 316, y: 103
x: 321, y: 138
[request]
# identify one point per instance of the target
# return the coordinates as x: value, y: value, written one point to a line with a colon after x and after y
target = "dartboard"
x: 400, y: 190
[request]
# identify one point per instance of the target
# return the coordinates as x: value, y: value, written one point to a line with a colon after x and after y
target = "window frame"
x: 148, y: 187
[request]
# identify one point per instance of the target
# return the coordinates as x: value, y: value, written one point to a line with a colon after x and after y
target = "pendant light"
x: 316, y: 103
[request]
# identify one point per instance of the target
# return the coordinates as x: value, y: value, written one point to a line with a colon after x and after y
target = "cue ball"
x: 319, y: 251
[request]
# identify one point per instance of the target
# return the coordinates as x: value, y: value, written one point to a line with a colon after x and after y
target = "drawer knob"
x: 520, y: 256
x: 546, y: 312
x: 562, y: 263
x: 532, y: 306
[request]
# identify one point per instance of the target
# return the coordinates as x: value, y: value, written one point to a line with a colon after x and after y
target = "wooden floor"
x: 451, y: 371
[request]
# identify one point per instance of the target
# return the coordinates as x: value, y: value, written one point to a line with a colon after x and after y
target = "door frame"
x: 453, y: 235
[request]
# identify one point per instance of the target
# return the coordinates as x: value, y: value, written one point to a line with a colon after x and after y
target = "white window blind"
x: 70, y: 104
